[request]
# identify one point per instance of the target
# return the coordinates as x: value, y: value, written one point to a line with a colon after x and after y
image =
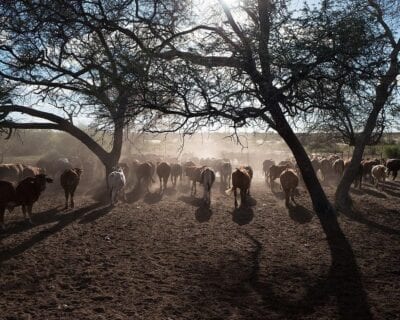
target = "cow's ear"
x: 49, y: 180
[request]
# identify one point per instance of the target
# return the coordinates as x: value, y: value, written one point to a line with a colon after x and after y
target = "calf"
x: 116, y: 183
x: 240, y: 179
x: 207, y: 179
x: 8, y: 198
x: 176, y: 171
x: 28, y: 192
x: 289, y: 182
x: 31, y: 171
x: 378, y: 173
x: 163, y: 172
x: 69, y: 180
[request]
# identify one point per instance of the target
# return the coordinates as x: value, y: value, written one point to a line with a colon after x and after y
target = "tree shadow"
x: 95, y: 214
x: 203, y: 213
x: 300, y: 214
x: 355, y: 215
x: 342, y: 281
x: 369, y: 191
x: 392, y: 192
x: 242, y: 215
x: 152, y: 197
x: 63, y: 221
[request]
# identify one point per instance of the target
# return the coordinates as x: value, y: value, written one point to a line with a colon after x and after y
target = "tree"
x: 62, y: 61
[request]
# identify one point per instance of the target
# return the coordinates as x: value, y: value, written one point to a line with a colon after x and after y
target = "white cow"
x: 116, y: 183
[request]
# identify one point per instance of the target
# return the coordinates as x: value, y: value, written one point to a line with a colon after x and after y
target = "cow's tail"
x: 229, y: 191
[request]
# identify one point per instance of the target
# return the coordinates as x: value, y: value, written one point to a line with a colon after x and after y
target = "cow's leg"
x: 287, y: 198
x: 2, y: 211
x: 160, y: 183
x: 66, y: 198
x: 235, y: 194
x: 24, y: 211
x: 292, y: 195
x: 165, y: 183
x: 243, y: 194
x: 29, y: 209
x: 394, y: 174
x: 72, y: 198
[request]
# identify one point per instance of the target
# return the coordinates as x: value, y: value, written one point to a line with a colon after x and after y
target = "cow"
x: 116, y: 183
x: 207, y: 179
x: 267, y: 164
x: 250, y: 171
x: 8, y: 199
x: 69, y: 180
x: 274, y: 173
x: 393, y: 166
x: 144, y: 174
x: 31, y: 171
x: 194, y: 175
x: 11, y: 172
x: 378, y: 173
x: 325, y: 166
x: 289, y: 182
x: 225, y: 169
x: 176, y: 171
x: 338, y: 167
x: 163, y: 172
x: 240, y: 179
x: 28, y: 192
x: 367, y: 167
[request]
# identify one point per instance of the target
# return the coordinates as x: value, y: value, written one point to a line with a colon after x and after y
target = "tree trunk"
x: 320, y: 202
x: 383, y: 90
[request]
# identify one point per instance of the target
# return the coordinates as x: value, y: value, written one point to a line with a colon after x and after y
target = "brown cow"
x: 275, y: 172
x: 28, y: 192
x: 325, y: 166
x: 240, y: 179
x: 11, y: 172
x: 163, y: 172
x: 267, y: 164
x: 225, y: 169
x: 289, y: 182
x: 31, y: 171
x: 367, y: 167
x: 194, y: 175
x: 8, y: 198
x: 393, y: 166
x: 144, y: 173
x: 69, y: 180
x: 176, y: 171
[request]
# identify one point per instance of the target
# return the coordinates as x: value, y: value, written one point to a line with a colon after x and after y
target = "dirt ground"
x: 168, y: 257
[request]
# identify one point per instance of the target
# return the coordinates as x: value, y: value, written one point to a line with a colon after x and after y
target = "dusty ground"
x: 169, y: 258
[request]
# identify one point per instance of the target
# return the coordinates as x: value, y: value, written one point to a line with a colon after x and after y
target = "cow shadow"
x: 203, y: 213
x: 242, y: 215
x: 134, y: 194
x: 152, y: 197
x: 193, y: 201
x: 250, y: 201
x: 300, y: 214
x: 170, y: 192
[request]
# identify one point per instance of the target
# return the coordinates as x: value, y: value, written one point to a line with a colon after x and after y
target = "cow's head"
x: 78, y: 171
x: 41, y: 180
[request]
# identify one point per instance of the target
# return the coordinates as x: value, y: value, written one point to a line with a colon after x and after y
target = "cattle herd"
x: 21, y: 185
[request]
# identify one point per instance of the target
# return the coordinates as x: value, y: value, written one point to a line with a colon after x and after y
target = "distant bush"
x: 392, y: 151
